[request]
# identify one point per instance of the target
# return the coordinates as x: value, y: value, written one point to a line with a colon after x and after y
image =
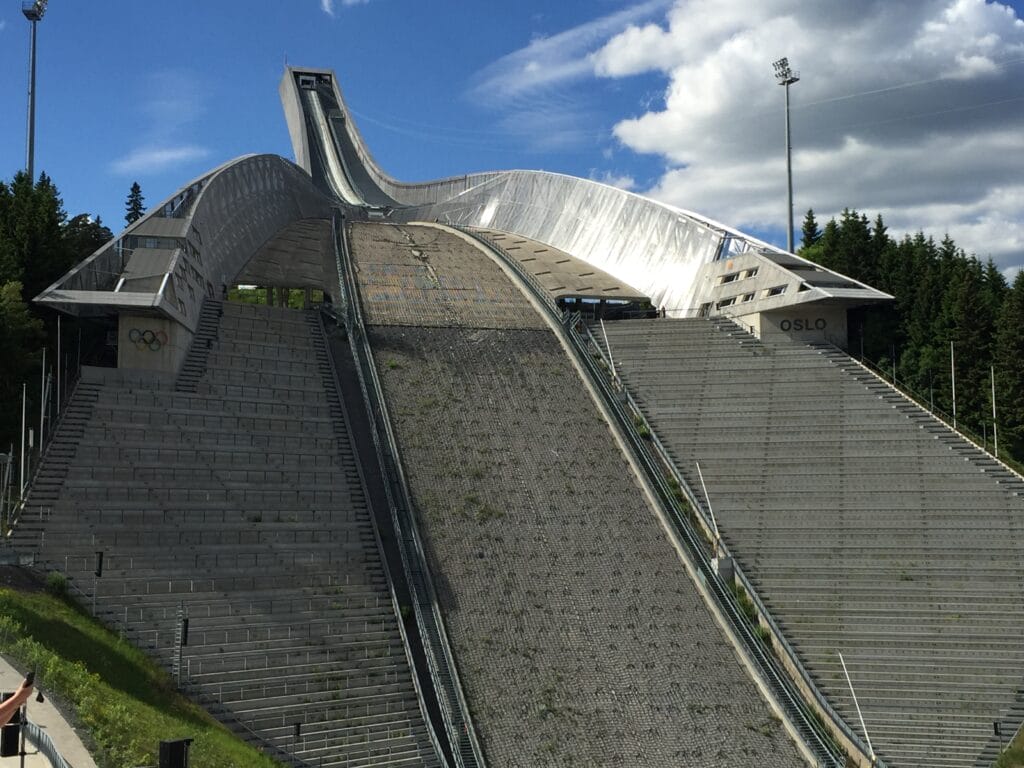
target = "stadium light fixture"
x: 786, y: 77
x: 33, y: 11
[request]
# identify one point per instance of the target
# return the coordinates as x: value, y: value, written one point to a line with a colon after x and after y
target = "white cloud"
x: 532, y: 88
x: 548, y: 62
x: 173, y: 99
x: 157, y: 159
x: 622, y: 181
x: 911, y: 109
x: 3, y: 24
x: 327, y: 6
x: 168, y: 106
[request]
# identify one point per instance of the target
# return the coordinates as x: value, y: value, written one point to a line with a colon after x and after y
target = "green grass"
x: 1013, y: 757
x: 125, y: 703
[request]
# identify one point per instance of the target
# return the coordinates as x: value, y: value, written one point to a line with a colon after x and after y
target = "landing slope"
x: 579, y: 637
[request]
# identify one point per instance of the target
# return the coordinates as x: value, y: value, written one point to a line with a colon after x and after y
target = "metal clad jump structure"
x: 675, y: 257
x: 264, y: 220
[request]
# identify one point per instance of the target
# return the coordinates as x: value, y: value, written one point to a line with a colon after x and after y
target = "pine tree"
x: 38, y: 244
x: 967, y: 321
x: 10, y: 260
x: 21, y: 335
x: 811, y: 233
x: 84, y: 235
x: 33, y: 226
x: 1009, y: 364
x: 133, y: 205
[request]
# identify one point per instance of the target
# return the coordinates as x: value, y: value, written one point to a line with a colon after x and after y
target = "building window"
x: 729, y: 278
x: 748, y: 297
x: 726, y: 302
x: 778, y: 290
x: 752, y: 272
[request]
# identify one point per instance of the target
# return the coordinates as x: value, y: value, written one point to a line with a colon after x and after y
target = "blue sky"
x: 914, y: 109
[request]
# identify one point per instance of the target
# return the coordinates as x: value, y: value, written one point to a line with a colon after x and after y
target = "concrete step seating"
x: 201, y: 473
x: 235, y: 492
x: 223, y: 634
x: 241, y: 537
x: 203, y: 420
x: 172, y: 437
x: 231, y: 492
x: 245, y: 609
x: 339, y: 650
x: 223, y: 560
x: 227, y: 517
x: 380, y: 739
x: 257, y: 392
x: 250, y: 659
x: 865, y: 524
x: 230, y: 456
x: 271, y: 379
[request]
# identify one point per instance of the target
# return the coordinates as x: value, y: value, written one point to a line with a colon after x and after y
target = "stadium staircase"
x: 194, y: 367
x: 235, y: 500
x: 868, y: 527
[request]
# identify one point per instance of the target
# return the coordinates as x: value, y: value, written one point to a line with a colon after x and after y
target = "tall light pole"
x: 33, y: 11
x: 787, y: 77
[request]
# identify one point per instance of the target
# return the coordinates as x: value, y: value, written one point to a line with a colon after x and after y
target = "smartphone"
x: 30, y: 678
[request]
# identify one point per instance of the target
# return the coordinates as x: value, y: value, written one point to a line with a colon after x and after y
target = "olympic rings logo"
x: 151, y: 340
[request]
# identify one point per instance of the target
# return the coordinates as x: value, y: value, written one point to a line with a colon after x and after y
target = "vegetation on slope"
x: 125, y: 703
x: 1014, y: 756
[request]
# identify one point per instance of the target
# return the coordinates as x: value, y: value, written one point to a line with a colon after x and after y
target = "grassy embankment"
x: 1014, y: 756
x: 125, y: 703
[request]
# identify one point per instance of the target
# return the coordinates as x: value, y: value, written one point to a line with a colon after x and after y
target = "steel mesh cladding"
x: 661, y: 251
x: 196, y: 252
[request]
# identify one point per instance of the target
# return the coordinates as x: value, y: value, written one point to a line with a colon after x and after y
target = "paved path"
x: 46, y: 716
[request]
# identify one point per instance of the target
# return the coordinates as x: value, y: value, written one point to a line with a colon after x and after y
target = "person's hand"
x: 28, y: 682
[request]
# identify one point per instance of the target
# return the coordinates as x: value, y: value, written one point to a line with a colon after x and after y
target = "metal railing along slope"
x: 655, y: 463
x: 466, y: 749
x: 981, y: 442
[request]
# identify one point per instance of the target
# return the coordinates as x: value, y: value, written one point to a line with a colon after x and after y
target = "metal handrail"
x: 917, y: 398
x: 428, y: 616
x: 53, y: 423
x: 778, y: 680
x: 45, y: 745
x: 6, y: 485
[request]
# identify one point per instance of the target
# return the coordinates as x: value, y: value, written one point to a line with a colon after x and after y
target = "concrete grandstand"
x: 447, y: 517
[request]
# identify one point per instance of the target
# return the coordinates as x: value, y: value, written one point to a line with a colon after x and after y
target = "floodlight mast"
x: 33, y: 11
x: 787, y: 77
